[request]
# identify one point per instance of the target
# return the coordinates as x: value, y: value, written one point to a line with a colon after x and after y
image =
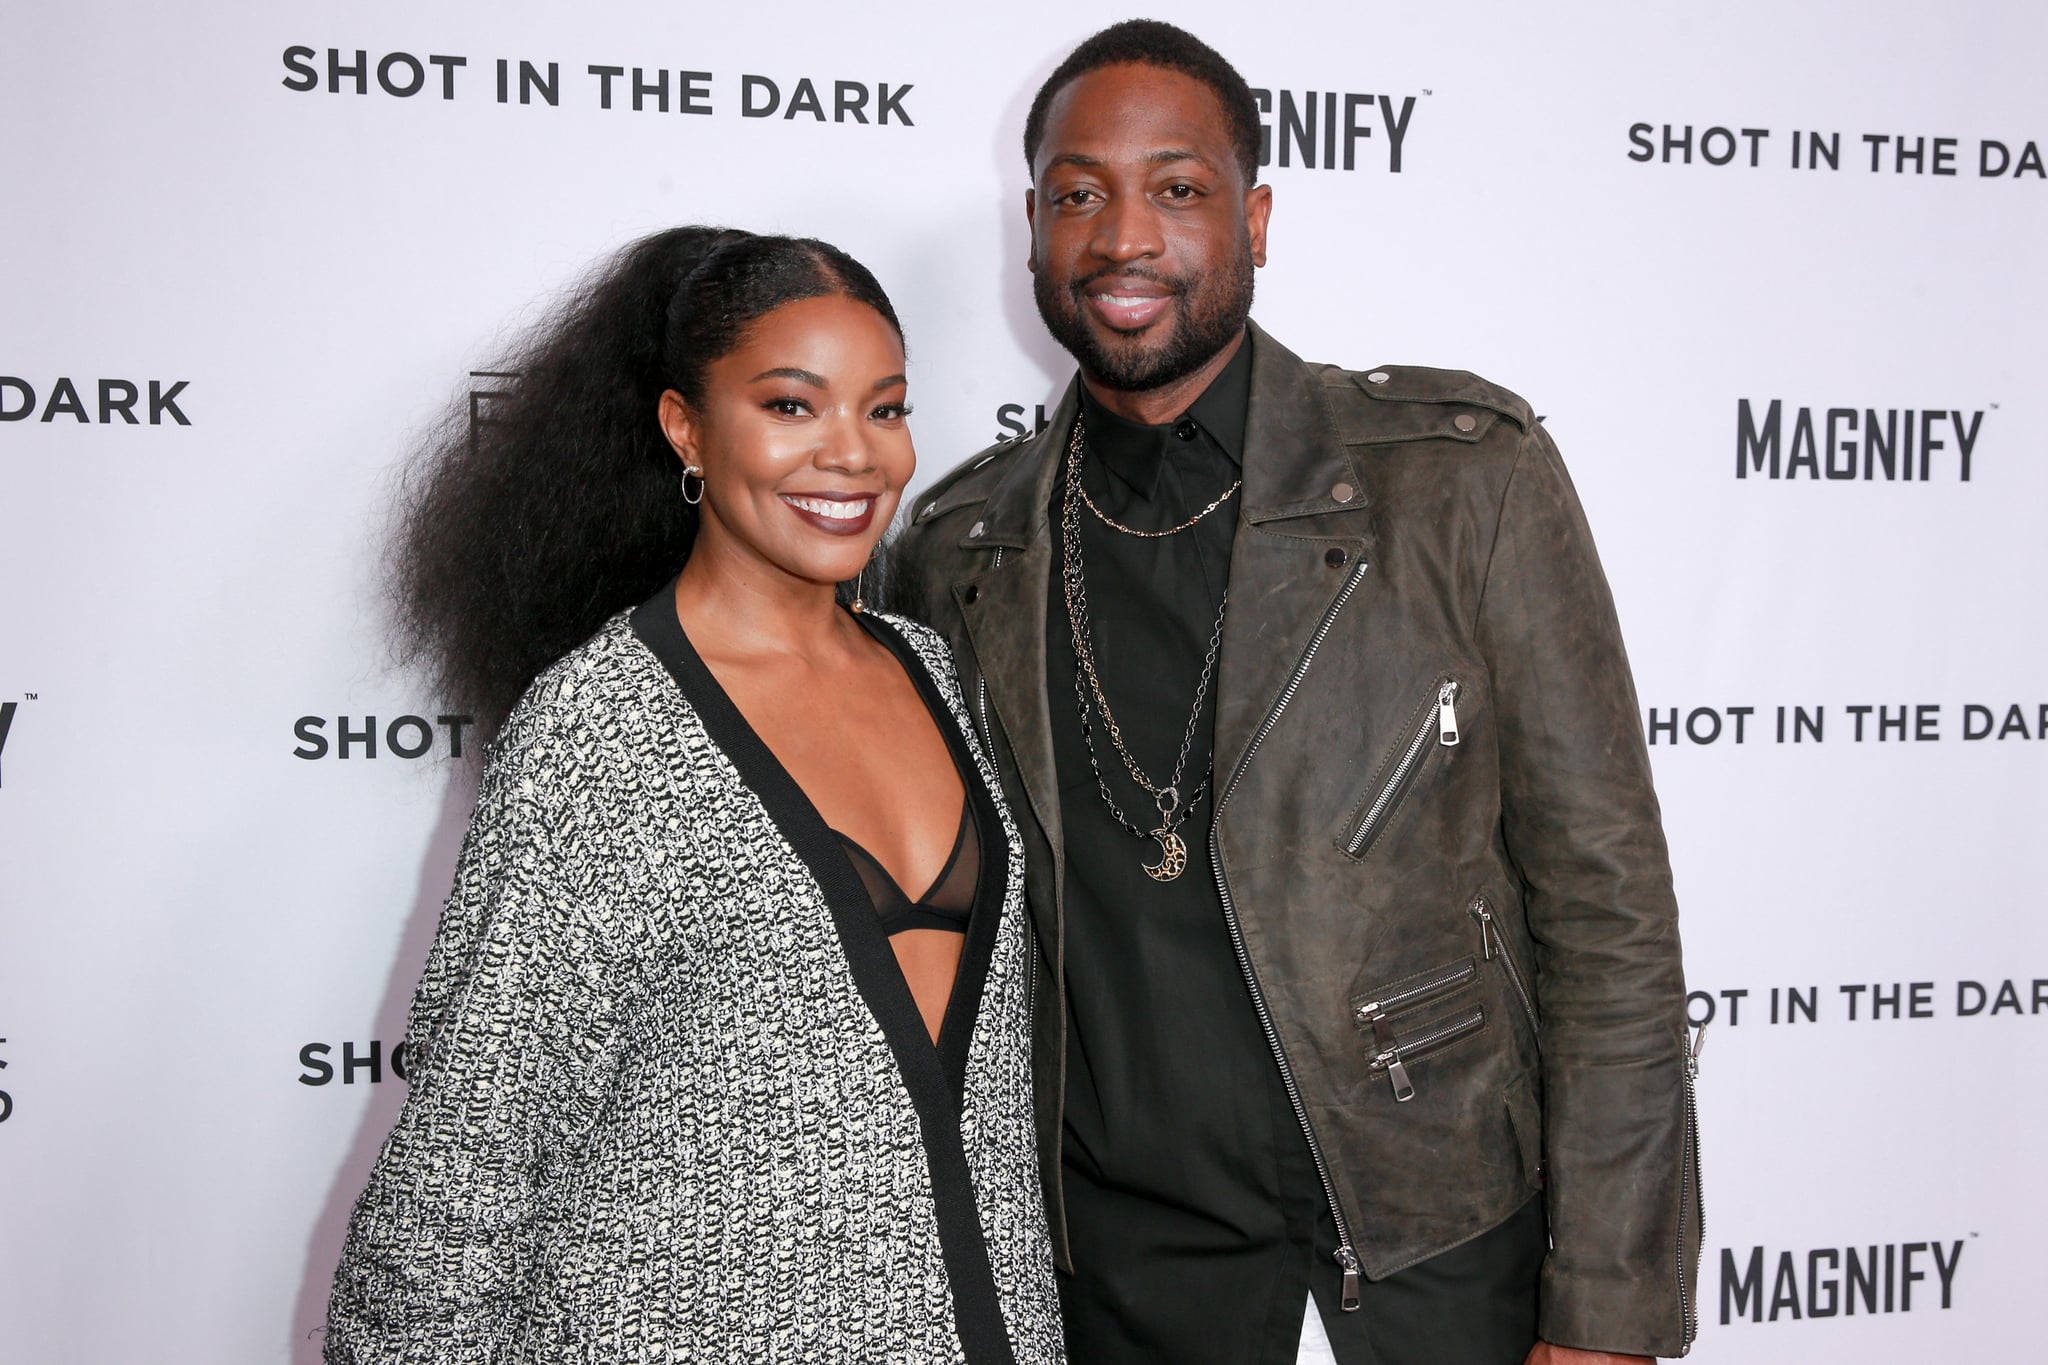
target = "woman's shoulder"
x: 587, y: 700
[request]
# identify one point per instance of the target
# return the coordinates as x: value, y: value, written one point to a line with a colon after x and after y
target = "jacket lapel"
x: 1303, y: 500
x: 1004, y: 606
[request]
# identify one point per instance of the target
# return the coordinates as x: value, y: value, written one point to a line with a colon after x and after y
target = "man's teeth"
x: 833, y: 508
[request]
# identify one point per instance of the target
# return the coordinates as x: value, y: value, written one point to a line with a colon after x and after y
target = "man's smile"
x: 1126, y: 304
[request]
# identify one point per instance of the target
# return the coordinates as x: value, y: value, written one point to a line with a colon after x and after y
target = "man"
x: 1358, y: 982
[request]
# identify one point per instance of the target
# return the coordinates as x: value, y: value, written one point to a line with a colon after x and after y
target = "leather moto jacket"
x: 1436, y: 837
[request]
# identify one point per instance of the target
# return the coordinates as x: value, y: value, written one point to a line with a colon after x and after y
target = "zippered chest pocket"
x: 1432, y: 727
x: 1398, y: 1038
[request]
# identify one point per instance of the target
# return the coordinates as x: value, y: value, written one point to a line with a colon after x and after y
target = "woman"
x: 694, y: 1078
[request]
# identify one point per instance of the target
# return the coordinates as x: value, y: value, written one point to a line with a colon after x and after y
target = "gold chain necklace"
x: 1116, y: 525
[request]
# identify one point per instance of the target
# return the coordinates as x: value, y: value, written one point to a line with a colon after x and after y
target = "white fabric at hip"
x: 1315, y: 1342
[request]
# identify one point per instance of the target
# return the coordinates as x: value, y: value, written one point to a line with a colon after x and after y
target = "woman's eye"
x: 786, y: 407
x: 891, y: 412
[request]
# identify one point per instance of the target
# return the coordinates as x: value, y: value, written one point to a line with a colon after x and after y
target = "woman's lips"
x: 834, y: 515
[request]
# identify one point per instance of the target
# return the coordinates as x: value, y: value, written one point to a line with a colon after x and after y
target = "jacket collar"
x: 1294, y: 463
x: 1019, y: 510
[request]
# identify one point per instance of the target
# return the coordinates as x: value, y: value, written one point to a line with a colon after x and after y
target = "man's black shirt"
x: 1191, y: 1197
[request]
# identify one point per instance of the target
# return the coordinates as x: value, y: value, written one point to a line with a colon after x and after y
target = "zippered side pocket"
x: 1374, y: 1016
x: 1394, y: 1058
x: 1437, y: 719
x: 1493, y: 946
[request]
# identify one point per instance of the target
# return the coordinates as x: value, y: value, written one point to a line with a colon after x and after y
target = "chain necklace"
x: 1115, y: 525
x: 1173, y: 853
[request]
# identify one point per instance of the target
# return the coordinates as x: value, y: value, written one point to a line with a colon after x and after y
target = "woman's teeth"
x: 832, y: 507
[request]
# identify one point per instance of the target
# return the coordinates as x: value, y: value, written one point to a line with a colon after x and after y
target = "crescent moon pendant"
x: 1173, y: 857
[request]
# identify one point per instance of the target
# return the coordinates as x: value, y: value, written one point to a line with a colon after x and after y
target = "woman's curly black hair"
x: 518, y: 536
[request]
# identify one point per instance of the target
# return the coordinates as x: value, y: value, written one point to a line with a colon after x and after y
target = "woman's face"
x: 802, y: 440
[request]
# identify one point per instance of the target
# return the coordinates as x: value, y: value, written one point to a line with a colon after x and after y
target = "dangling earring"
x: 692, y: 471
x: 857, y: 606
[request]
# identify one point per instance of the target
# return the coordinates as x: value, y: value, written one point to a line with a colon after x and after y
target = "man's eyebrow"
x: 816, y: 381
x: 889, y: 383
x: 1165, y: 156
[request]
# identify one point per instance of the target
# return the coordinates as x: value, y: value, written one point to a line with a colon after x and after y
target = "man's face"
x: 1143, y: 232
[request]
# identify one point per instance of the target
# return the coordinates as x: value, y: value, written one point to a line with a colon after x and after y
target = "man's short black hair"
x: 1148, y: 42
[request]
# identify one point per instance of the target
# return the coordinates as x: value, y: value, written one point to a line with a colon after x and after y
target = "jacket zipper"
x: 1441, y: 721
x: 988, y: 749
x: 1689, y: 1183
x: 1492, y: 941
x: 988, y: 744
x: 1346, y: 1256
x: 1408, y: 997
x: 1393, y: 1056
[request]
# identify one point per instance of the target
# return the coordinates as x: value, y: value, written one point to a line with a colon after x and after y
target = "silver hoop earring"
x: 857, y: 605
x: 691, y: 471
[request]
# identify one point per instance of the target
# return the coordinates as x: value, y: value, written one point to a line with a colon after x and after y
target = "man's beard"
x: 1212, y: 308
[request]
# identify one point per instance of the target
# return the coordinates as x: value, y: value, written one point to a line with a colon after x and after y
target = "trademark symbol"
x: 1994, y: 408
x: 26, y: 696
x: 1428, y: 91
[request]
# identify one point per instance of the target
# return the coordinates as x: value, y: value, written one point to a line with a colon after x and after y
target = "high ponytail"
x: 518, y: 536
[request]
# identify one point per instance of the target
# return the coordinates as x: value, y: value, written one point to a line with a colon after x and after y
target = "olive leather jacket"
x: 1436, y: 838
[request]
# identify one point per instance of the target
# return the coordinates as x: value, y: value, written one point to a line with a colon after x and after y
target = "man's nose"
x: 1127, y: 230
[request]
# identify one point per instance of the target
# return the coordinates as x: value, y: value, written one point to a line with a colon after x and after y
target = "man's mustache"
x: 1172, y: 283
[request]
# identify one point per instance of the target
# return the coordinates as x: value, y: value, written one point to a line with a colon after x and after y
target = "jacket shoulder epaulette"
x: 969, y: 482
x: 1414, y: 402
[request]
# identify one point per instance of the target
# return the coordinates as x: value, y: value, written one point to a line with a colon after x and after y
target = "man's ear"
x: 1031, y: 230
x: 1258, y: 208
x: 679, y: 424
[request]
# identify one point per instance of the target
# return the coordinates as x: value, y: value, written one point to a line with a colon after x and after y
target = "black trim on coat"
x: 933, y: 1076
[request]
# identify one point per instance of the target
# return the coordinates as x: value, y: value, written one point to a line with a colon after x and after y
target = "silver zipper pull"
x: 1486, y: 935
x: 1692, y: 1056
x: 1347, y: 1260
x: 1447, y: 715
x: 1397, y: 1072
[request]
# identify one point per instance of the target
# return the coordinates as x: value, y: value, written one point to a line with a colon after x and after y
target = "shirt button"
x: 1343, y: 492
x: 1378, y: 377
x: 1186, y: 429
x: 1464, y: 421
x: 1335, y: 557
x: 973, y: 593
x: 974, y: 531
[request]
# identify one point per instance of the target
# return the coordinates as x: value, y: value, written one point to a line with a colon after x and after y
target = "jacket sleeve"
x: 511, y: 1044
x: 1581, y: 823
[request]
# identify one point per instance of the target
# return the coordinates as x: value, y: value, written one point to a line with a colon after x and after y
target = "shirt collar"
x: 1135, y: 451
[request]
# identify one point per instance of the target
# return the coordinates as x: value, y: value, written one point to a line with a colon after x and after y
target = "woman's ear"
x: 679, y: 425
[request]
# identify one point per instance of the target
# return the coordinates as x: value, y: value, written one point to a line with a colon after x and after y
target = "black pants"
x: 1472, y: 1305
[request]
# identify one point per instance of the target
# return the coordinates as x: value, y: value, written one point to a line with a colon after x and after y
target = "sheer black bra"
x: 946, y: 905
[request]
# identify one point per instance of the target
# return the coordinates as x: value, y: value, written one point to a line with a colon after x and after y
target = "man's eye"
x: 1080, y: 198
x: 1182, y: 192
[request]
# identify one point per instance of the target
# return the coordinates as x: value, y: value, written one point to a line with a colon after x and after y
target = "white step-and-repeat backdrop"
x: 1774, y: 273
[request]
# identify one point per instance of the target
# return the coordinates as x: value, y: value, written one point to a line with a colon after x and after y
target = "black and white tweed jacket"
x: 670, y: 1097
